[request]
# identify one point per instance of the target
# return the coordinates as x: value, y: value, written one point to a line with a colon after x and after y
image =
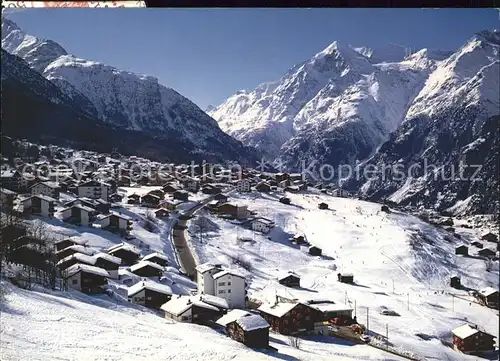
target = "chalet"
x: 252, y: 330
x: 7, y: 198
x: 150, y: 200
x: 340, y: 193
x: 490, y: 237
x: 288, y: 318
x: 284, y: 183
x: 133, y: 199
x: 279, y: 177
x: 169, y: 188
x: 285, y: 200
x: 191, y: 309
x: 79, y: 214
x: 222, y: 198
x: 116, y: 223
x: 13, y: 180
x: 468, y: 339
x: 191, y: 185
x: 115, y: 198
x: 231, y: 286
x: 68, y: 251
x: 243, y: 185
x: 330, y: 311
x: 157, y: 258
x: 323, y: 205
x: 107, y: 262
x: 236, y: 211
x: 49, y: 189
x: 85, y: 278
x: 263, y: 187
x: 181, y: 195
x: 489, y: 297
x: 94, y: 190
x: 455, y: 282
x: 289, y: 279
x: 477, y: 244
x: 128, y: 254
x: 161, y: 213
x: 298, y: 239
x: 486, y: 252
x: 39, y: 205
x: 232, y: 316
x: 292, y: 189
x: 65, y: 243
x: 73, y: 259
x: 169, y: 205
x: 345, y: 277
x: 262, y: 224
x: 149, y: 293
x: 123, y: 181
x: 147, y: 269
x: 315, y: 251
x: 210, y: 189
x: 158, y: 192
x: 386, y: 209
x: 462, y: 250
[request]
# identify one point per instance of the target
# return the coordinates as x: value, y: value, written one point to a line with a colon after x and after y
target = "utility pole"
x: 393, y: 285
x: 387, y: 334
x: 345, y: 297
x: 453, y: 303
x: 355, y: 308
x: 367, y: 319
x: 408, y: 300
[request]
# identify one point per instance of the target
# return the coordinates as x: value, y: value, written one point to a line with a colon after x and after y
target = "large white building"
x: 226, y: 284
x: 94, y: 190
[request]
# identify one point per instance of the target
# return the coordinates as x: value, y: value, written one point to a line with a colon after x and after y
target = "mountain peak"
x: 489, y: 35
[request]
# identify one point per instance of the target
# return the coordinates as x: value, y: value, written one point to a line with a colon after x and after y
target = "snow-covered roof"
x: 205, y: 267
x: 150, y: 285
x: 76, y: 241
x: 181, y: 304
x: 487, y: 291
x: 231, y: 316
x: 284, y: 275
x: 252, y: 322
x: 78, y: 248
x: 142, y: 264
x: 79, y: 267
x: 107, y: 257
x: 45, y: 198
x: 126, y: 247
x: 227, y: 272
x: 7, y: 191
x: 464, y: 331
x: 214, y: 301
x: 155, y: 254
x: 277, y: 310
x: 80, y: 257
x: 263, y: 220
x: 330, y: 307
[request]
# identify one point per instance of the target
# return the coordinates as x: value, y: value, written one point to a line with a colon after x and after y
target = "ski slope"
x: 399, y: 263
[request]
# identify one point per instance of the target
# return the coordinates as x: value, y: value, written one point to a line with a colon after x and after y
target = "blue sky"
x: 209, y: 54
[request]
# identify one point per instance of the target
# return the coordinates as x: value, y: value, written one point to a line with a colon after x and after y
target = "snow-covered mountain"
x: 453, y: 120
x: 121, y: 98
x: 337, y: 107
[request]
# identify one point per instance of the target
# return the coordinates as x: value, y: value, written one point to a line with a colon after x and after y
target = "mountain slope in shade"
x: 124, y: 99
x: 453, y: 120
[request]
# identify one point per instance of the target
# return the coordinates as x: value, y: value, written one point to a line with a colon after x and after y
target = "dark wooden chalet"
x: 323, y: 205
x: 157, y: 258
x: 150, y: 200
x: 128, y: 254
x: 315, y: 251
x: 285, y: 200
x: 470, y: 340
x: 85, y: 278
x: 490, y: 237
x: 455, y: 282
x: 147, y: 269
x: 288, y: 318
x: 181, y: 195
x: 345, y: 277
x: 252, y: 330
x: 486, y: 252
x: 161, y: 213
x: 489, y: 297
x: 169, y: 188
x: 263, y: 187
x: 289, y: 279
x: 477, y: 244
x: 150, y: 294
x: 462, y: 250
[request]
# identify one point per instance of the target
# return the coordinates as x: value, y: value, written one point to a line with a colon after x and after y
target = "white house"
x: 116, y: 221
x: 243, y: 185
x: 204, y: 277
x: 231, y: 286
x: 39, y: 205
x: 261, y: 224
x: 49, y: 189
x: 94, y: 190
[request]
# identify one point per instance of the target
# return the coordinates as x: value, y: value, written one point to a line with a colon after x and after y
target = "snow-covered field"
x: 42, y: 325
x: 399, y: 263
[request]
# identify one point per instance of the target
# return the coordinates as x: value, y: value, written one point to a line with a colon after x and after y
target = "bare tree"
x: 294, y: 341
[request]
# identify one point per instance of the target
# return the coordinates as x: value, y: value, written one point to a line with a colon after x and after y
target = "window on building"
x: 229, y: 283
x: 74, y: 282
x: 222, y: 283
x: 184, y: 318
x: 222, y: 291
x: 228, y: 291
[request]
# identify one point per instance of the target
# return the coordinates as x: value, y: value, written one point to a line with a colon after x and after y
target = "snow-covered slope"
x: 399, y: 263
x: 122, y: 98
x: 453, y: 119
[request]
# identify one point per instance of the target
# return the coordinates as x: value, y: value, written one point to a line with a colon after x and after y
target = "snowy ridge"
x: 124, y: 99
